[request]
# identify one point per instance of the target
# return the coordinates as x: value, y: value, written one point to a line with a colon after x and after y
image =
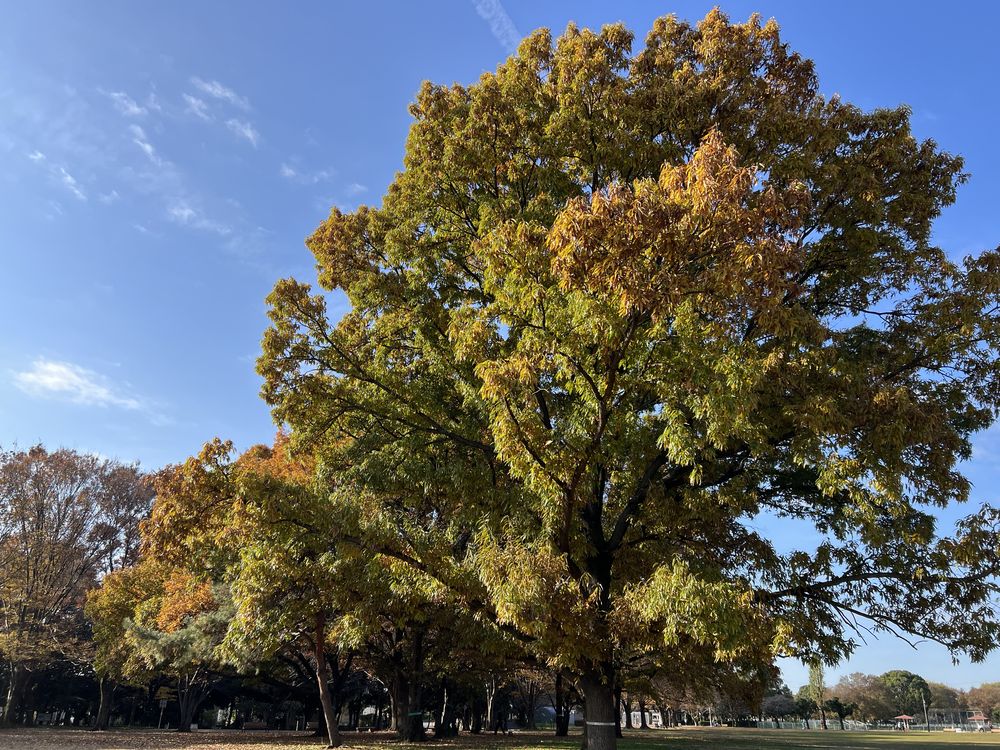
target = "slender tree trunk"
x: 822, y: 717
x: 415, y: 714
x: 442, y: 727
x: 491, y: 694
x: 323, y: 681
x: 643, y: 724
x: 400, y: 693
x: 627, y: 705
x: 477, y: 716
x: 532, y: 699
x: 618, y: 712
x: 377, y: 719
x: 19, y: 676
x: 104, y: 710
x: 664, y: 718
x: 600, y: 709
x: 407, y: 700
x: 562, y: 710
x: 188, y: 699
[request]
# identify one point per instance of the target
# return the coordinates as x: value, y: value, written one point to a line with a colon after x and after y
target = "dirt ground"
x: 47, y: 738
x: 43, y: 738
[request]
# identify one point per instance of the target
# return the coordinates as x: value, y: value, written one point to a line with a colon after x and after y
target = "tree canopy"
x: 66, y: 520
x: 621, y: 301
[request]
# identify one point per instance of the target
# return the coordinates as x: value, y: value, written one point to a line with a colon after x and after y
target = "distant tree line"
x: 878, y: 699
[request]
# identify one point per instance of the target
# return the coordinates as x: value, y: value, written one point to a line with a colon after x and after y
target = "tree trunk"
x: 477, y: 717
x: 491, y: 694
x: 664, y: 715
x: 407, y: 698
x: 104, y: 710
x: 627, y: 706
x: 532, y: 699
x: 618, y: 712
x: 400, y: 691
x: 643, y: 724
x: 415, y: 714
x: 187, y: 702
x: 600, y: 710
x: 323, y: 681
x: 19, y: 677
x: 442, y: 726
x: 562, y: 710
x: 822, y: 717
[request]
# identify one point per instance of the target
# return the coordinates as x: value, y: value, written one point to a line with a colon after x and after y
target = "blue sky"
x: 162, y: 163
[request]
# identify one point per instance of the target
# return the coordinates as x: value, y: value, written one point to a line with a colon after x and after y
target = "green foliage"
x: 907, y: 692
x: 817, y: 686
x: 840, y: 709
x: 177, y: 631
x: 110, y: 609
x: 805, y: 707
x: 618, y: 304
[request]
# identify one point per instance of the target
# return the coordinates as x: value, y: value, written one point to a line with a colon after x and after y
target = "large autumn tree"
x: 66, y: 520
x: 621, y: 301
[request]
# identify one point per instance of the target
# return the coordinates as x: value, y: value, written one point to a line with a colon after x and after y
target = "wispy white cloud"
x: 54, y: 379
x: 244, y: 130
x: 60, y: 174
x: 183, y: 213
x: 125, y: 104
x: 55, y: 210
x: 83, y: 145
x: 218, y: 91
x: 197, y: 107
x: 139, y: 139
x: 294, y: 174
x: 500, y: 23
x: 71, y: 184
x: 356, y: 188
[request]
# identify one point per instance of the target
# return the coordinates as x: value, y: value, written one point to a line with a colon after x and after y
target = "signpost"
x: 165, y: 695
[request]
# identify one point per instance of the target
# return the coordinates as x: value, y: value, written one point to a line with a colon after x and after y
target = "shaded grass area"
x: 674, y: 739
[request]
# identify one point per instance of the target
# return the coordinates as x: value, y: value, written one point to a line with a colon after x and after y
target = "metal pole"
x: 923, y: 699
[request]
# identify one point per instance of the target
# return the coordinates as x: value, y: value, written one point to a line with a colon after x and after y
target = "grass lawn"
x: 673, y: 739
